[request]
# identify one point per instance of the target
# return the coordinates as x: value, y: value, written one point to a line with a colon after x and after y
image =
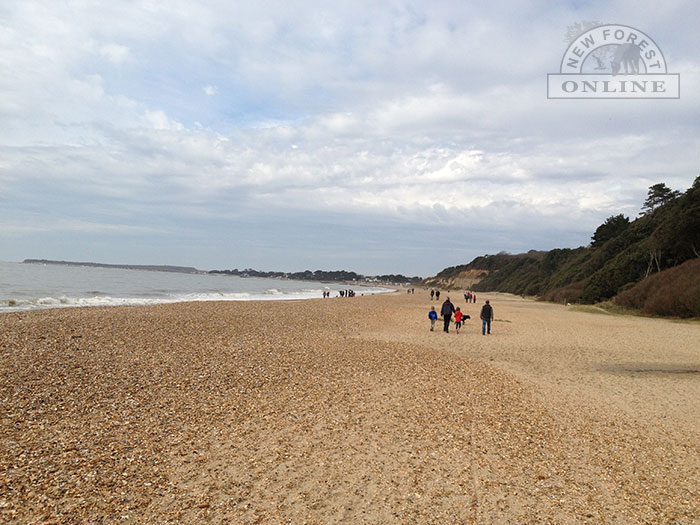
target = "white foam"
x: 270, y: 294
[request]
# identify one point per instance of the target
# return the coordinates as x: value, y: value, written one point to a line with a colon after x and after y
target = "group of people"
x: 341, y: 293
x: 448, y: 309
x: 469, y: 296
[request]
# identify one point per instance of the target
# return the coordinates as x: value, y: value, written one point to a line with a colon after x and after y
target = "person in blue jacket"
x: 432, y: 315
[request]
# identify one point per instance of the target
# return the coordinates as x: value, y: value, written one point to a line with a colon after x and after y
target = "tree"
x: 611, y: 228
x: 658, y: 195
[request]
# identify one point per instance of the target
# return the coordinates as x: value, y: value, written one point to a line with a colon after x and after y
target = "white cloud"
x: 158, y: 120
x: 115, y: 53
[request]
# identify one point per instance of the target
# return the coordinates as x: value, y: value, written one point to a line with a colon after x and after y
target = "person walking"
x: 486, y: 318
x: 459, y: 316
x: 447, y: 310
x: 432, y: 315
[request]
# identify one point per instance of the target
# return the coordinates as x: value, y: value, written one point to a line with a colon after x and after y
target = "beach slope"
x: 347, y: 410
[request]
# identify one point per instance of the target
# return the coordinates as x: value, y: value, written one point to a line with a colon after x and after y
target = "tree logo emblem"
x: 612, y: 61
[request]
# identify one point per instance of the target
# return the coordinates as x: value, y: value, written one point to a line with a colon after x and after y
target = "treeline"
x: 623, y: 255
x: 321, y: 275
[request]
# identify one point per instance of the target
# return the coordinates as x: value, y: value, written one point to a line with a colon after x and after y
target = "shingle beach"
x: 347, y: 411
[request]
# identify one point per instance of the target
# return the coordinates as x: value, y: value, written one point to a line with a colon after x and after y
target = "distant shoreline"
x: 151, y: 268
x: 337, y: 276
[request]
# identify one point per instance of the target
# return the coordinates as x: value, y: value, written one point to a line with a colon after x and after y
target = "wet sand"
x: 347, y: 410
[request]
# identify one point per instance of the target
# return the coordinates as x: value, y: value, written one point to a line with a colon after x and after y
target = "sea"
x: 32, y: 286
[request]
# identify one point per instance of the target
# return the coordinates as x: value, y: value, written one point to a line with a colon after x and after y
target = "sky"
x: 376, y: 137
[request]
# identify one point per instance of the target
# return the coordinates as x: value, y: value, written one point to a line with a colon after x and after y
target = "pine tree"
x: 658, y: 195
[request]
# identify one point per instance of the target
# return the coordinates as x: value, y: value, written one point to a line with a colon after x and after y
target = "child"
x: 432, y: 315
x: 458, y: 319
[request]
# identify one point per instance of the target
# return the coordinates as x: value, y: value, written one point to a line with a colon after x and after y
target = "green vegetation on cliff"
x: 673, y: 292
x: 622, y: 254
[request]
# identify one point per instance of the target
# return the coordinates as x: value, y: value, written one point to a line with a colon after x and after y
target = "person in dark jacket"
x: 447, y: 310
x: 486, y: 318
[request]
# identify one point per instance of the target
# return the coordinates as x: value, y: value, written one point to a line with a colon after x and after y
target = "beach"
x: 347, y: 411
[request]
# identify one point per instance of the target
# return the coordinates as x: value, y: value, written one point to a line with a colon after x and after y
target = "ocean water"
x: 26, y: 286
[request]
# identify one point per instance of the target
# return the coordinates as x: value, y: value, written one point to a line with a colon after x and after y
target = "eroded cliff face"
x: 463, y: 280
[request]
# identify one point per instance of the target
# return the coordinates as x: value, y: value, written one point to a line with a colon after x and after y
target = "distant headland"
x: 307, y: 275
x: 151, y: 268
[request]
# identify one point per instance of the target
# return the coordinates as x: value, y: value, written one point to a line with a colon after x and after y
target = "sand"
x: 347, y: 411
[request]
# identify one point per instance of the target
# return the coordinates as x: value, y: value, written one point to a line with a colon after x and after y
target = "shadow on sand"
x: 651, y: 369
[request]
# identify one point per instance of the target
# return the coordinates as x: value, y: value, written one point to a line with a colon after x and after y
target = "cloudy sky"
x: 380, y: 137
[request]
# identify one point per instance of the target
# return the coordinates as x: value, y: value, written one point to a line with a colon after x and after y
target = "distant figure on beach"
x: 432, y: 294
x: 447, y: 310
x: 437, y: 295
x: 432, y: 315
x: 473, y: 298
x: 486, y: 318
